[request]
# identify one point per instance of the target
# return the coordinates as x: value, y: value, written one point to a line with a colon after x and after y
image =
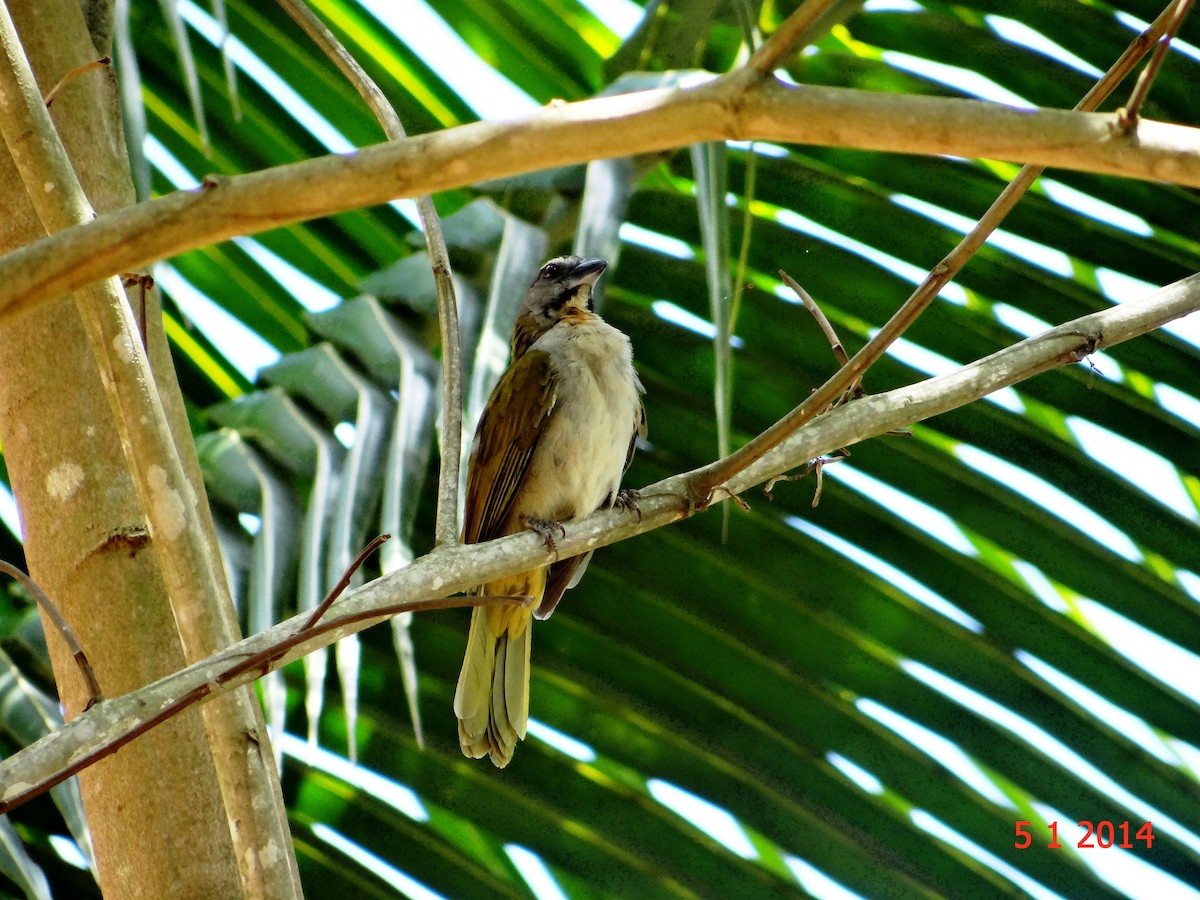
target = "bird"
x: 552, y: 445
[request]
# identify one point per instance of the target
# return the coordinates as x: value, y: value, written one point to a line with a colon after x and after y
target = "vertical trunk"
x: 159, y: 821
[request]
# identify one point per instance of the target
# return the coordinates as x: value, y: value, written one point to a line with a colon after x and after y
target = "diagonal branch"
x: 463, y: 566
x: 851, y: 373
x: 1127, y: 115
x: 787, y: 36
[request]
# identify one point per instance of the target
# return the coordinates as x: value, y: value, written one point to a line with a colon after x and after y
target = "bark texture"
x: 158, y: 822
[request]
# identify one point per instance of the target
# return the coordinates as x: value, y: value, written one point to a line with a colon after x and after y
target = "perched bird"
x: 554, y: 440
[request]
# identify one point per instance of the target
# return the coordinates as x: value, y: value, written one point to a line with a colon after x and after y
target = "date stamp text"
x: 1098, y: 835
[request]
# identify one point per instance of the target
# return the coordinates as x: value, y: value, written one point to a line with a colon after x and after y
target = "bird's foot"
x: 546, y: 528
x: 627, y: 499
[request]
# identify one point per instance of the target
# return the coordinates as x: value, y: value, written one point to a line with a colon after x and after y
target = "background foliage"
x: 991, y: 620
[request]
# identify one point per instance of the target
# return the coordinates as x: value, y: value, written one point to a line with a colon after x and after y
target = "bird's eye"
x: 551, y: 270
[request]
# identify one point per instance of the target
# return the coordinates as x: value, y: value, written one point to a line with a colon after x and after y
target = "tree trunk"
x: 159, y: 821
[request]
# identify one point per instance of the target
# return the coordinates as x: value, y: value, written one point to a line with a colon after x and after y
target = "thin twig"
x: 818, y: 465
x: 72, y: 75
x: 810, y: 304
x: 95, y: 695
x: 446, y: 526
x: 1127, y: 115
x: 143, y: 283
x: 742, y: 504
x: 703, y: 486
x: 739, y: 282
x: 344, y: 582
x: 446, y: 521
x: 767, y: 58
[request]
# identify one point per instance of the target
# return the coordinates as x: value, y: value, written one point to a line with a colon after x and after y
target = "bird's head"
x: 562, y: 285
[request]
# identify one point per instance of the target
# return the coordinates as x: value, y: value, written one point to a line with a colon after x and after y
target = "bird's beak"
x: 588, y: 272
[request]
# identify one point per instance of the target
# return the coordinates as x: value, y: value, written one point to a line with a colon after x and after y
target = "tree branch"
x: 590, y: 129
x: 461, y: 567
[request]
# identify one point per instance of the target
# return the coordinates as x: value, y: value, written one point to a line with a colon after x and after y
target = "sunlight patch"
x: 408, y: 886
x: 817, y: 883
x: 1054, y: 750
x: 855, y: 773
x: 946, y: 753
x: 1136, y: 24
x: 391, y: 793
x: 1018, y: 320
x: 1050, y: 498
x: 1124, y: 870
x: 620, y: 17
x: 168, y: 164
x: 562, y: 743
x: 677, y: 315
x: 762, y: 148
x: 68, y: 851
x: 956, y: 77
x: 898, y: 579
x: 1041, y: 586
x: 289, y: 100
x: 1190, y: 582
x: 242, y: 347
x: 542, y: 883
x: 1140, y: 466
x: 714, y: 821
x: 249, y: 62
x: 1085, y: 204
x: 9, y: 513
x: 652, y: 240
x: 1121, y: 288
x: 935, y: 364
x: 1101, y: 707
x: 944, y: 832
x: 1019, y: 33
x: 490, y: 94
x: 916, y: 512
x: 1165, y: 660
x: 898, y: 267
x: 1176, y: 402
x: 1189, y: 754
x: 306, y: 291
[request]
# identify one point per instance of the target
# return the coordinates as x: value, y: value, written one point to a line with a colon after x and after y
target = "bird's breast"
x: 581, y: 457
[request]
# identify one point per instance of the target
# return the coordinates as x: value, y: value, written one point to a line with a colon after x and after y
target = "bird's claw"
x: 546, y: 528
x: 627, y: 499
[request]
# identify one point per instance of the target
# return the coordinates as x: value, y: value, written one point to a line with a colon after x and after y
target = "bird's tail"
x: 492, y: 699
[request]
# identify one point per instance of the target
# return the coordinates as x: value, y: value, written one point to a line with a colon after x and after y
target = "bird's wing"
x: 508, y: 433
x: 639, y: 431
x: 562, y: 575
